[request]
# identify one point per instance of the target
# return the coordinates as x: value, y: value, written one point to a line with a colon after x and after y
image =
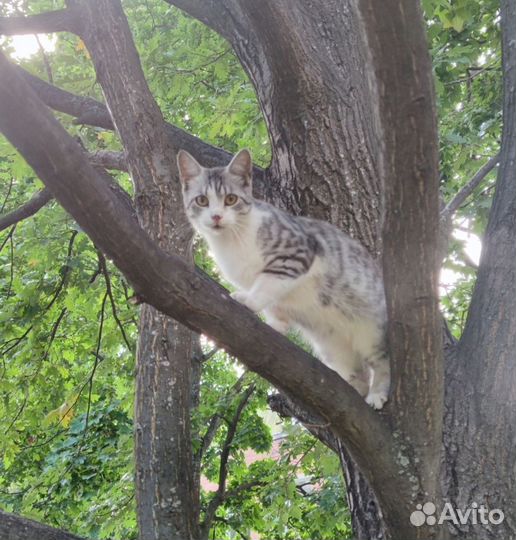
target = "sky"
x: 26, y: 46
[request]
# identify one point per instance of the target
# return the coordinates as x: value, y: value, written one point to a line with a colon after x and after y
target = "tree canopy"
x: 68, y: 328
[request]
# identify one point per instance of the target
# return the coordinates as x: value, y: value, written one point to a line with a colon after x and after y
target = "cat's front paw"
x: 243, y: 298
x: 280, y: 326
x: 376, y: 400
x: 239, y: 296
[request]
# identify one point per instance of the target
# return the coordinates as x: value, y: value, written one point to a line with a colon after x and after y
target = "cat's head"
x: 217, y: 199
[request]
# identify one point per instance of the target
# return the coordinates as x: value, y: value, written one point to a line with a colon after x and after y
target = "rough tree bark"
x: 167, y: 492
x: 346, y: 92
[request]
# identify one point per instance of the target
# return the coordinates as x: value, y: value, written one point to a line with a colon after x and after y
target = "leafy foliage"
x: 464, y: 39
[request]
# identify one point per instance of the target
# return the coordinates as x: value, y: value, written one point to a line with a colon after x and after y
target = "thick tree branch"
x: 63, y: 20
x: 86, y: 110
x: 467, y: 190
x: 169, y: 284
x: 31, y: 207
x: 209, y: 12
x: 13, y: 527
x: 109, y: 160
x: 401, y: 61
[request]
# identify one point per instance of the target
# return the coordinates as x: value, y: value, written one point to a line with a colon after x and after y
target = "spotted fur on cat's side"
x: 301, y: 273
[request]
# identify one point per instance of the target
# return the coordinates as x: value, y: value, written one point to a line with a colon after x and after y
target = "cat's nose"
x: 216, y: 218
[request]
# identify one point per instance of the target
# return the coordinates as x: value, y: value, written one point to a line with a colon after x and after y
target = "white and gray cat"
x: 301, y: 273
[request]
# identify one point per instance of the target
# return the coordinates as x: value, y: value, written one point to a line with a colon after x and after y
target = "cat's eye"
x: 230, y: 199
x: 202, y: 200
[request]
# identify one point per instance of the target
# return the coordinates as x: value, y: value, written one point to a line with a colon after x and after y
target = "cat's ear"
x: 188, y: 166
x: 242, y: 165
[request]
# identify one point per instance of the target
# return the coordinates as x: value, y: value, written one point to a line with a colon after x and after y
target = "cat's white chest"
x: 238, y: 259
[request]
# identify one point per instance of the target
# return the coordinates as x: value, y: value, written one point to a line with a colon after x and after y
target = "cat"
x: 301, y: 273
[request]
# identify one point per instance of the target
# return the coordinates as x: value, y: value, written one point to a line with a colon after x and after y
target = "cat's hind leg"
x: 359, y: 380
x: 337, y: 355
x: 381, y: 379
x: 277, y: 319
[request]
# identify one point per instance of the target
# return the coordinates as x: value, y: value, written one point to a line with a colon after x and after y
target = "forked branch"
x: 467, y: 190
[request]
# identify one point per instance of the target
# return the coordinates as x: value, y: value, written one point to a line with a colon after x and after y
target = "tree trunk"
x: 167, y: 487
x: 167, y: 494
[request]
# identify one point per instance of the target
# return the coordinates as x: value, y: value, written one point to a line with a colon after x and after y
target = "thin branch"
x: 20, y: 410
x: 97, y: 273
x: 62, y: 282
x: 53, y: 332
x: 220, y: 494
x: 109, y: 292
x: 198, y: 67
x: 226, y: 522
x: 467, y: 190
x: 15, y: 341
x: 9, y: 189
x: 89, y: 383
x: 8, y: 237
x: 216, y: 419
x: 473, y: 72
x: 11, y: 267
x: 210, y: 354
x: 246, y: 486
x: 31, y: 207
x: 96, y: 362
x: 65, y: 271
x: 46, y: 61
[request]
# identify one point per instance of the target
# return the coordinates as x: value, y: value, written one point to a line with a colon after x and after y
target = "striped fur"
x: 302, y: 273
